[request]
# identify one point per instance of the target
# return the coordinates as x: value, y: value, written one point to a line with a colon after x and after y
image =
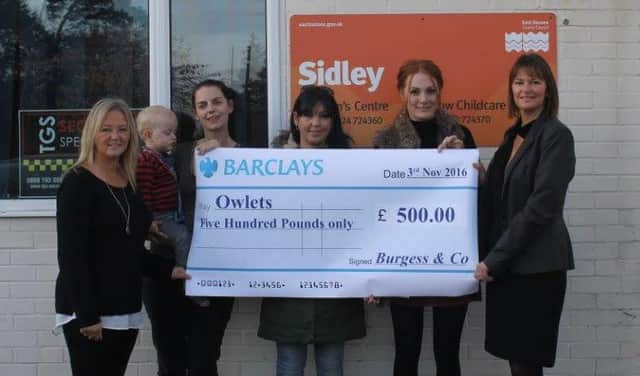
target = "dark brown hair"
x: 413, y: 66
x: 227, y: 92
x: 308, y: 98
x: 536, y: 66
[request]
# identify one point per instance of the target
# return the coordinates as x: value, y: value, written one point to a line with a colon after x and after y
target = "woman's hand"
x: 178, y: 272
x: 450, y: 142
x: 203, y: 145
x: 92, y: 332
x: 482, y: 273
x: 482, y: 172
x: 372, y: 300
x: 154, y: 232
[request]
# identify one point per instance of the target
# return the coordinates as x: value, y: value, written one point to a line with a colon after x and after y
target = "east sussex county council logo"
x: 524, y: 42
x: 208, y: 167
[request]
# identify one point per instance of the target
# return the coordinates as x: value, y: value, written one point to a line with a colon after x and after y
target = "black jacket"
x: 522, y: 205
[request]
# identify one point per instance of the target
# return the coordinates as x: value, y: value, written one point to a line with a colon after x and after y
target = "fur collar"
x: 402, y: 134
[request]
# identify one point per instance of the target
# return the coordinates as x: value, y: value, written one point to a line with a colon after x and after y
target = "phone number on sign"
x: 362, y: 120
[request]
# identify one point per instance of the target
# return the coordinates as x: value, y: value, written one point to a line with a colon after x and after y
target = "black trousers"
x: 108, y: 357
x: 206, y: 329
x: 408, y: 323
x: 185, y: 335
x: 167, y: 307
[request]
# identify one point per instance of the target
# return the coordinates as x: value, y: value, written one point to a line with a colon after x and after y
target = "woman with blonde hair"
x: 102, y: 224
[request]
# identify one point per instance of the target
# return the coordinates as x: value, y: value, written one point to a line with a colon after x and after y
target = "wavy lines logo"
x: 208, y: 167
x: 524, y: 42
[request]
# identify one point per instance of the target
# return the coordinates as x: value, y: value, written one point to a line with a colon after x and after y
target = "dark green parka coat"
x: 301, y: 320
x: 298, y: 320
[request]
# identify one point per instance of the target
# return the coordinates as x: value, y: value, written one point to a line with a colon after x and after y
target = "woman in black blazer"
x: 526, y: 247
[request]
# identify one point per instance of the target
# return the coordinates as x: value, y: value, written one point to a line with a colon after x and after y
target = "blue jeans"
x: 292, y: 358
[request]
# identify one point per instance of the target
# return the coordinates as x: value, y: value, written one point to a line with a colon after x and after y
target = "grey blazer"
x: 523, y: 223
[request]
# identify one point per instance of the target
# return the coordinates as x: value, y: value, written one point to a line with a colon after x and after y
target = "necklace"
x: 126, y: 216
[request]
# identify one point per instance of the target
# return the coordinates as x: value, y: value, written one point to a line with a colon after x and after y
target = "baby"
x: 156, y: 179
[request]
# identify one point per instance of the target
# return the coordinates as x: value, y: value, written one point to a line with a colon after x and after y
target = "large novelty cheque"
x: 334, y: 223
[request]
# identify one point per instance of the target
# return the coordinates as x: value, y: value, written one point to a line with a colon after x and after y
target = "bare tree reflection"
x: 67, y: 54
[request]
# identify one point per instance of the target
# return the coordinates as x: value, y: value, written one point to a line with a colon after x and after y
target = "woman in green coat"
x: 294, y: 323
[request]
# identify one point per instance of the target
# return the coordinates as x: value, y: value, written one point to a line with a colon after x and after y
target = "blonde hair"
x: 148, y: 118
x: 128, y: 160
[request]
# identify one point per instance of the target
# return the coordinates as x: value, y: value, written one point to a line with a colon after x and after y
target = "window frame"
x: 160, y: 86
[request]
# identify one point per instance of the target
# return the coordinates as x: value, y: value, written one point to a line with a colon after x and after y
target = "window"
x: 58, y: 57
x: 224, y: 40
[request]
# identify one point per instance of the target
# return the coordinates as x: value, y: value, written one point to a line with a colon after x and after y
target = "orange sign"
x: 358, y: 56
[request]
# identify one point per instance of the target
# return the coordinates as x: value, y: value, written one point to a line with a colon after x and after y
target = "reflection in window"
x: 65, y: 54
x: 224, y: 40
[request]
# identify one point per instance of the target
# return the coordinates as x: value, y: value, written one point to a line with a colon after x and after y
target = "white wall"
x: 599, y: 77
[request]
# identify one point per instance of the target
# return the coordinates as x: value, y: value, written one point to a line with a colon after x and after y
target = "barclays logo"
x: 262, y: 167
x: 208, y: 167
